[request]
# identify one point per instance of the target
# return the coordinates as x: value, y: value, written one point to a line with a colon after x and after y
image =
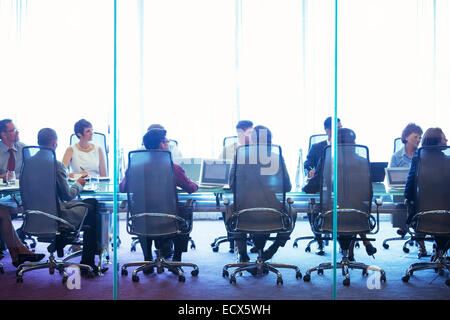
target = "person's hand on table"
x: 81, y: 181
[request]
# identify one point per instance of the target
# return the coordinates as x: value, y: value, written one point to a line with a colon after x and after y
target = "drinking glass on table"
x: 10, y: 178
x: 94, y: 179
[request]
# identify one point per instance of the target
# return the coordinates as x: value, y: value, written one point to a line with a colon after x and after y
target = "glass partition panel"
x: 394, y: 67
x: 199, y: 69
x: 57, y: 68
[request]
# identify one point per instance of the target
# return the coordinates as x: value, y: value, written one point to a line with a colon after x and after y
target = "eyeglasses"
x: 12, y: 130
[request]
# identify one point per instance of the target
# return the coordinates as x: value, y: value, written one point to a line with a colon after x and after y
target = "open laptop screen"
x: 397, y: 176
x: 215, y: 171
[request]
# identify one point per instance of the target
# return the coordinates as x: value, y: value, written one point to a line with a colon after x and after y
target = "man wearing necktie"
x: 10, y: 149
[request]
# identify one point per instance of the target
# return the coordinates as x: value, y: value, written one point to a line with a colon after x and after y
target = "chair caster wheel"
x: 159, y: 270
x: 295, y: 245
x: 385, y: 245
x: 307, y: 278
x: 320, y: 271
x: 279, y: 281
x: 405, y: 278
x: 1, y: 270
x: 124, y: 272
x: 193, y: 247
x: 405, y: 250
x: 19, y: 280
x: 232, y: 280
x: 215, y: 249
x: 135, y: 279
x: 33, y: 245
x: 346, y: 282
x: 194, y: 273
x: 308, y: 249
x: 364, y: 272
x: 441, y: 272
x: 133, y: 249
x: 298, y: 275
x: 64, y: 279
x: 225, y: 273
x: 181, y: 279
x: 357, y: 245
x: 383, y: 278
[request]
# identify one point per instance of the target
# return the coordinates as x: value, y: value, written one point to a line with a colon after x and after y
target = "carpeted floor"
x: 210, y: 285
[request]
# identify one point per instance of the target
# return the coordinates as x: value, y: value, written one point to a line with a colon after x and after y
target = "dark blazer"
x: 314, y: 154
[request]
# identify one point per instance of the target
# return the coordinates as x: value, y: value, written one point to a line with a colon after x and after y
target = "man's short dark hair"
x: 153, y: 138
x: 432, y: 137
x: 409, y: 129
x: 46, y: 136
x: 155, y: 126
x: 261, y: 135
x: 80, y: 125
x: 346, y: 135
x: 3, y: 124
x: 244, y: 125
x: 327, y: 123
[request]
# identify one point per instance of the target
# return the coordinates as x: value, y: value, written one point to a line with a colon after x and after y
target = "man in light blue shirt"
x: 10, y: 149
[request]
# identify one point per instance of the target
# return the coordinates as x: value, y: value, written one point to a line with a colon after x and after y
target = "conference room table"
x: 211, y: 199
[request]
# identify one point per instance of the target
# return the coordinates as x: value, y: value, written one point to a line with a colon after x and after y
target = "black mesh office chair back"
x: 99, y: 139
x: 151, y: 189
x: 229, y: 140
x: 354, y: 189
x: 316, y: 138
x: 38, y: 190
x: 433, y: 190
x: 398, y: 144
x: 259, y: 183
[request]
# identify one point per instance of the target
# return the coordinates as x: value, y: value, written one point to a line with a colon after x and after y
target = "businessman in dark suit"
x: 316, y: 150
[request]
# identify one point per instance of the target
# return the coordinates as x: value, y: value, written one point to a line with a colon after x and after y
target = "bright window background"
x: 56, y: 66
x: 199, y: 66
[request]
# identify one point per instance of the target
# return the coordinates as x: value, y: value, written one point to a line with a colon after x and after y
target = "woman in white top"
x: 84, y: 157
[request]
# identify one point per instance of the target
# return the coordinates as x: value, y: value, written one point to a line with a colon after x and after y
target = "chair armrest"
x: 50, y: 216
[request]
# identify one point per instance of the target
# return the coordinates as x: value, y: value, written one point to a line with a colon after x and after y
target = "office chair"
x: 316, y: 138
x: 99, y: 139
x: 403, y: 231
x: 191, y: 167
x: 398, y: 144
x: 42, y: 212
x: 353, y: 206
x: 432, y: 207
x: 153, y: 208
x: 223, y: 239
x: 259, y: 205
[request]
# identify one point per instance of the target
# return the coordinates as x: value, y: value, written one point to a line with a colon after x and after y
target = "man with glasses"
x: 10, y: 149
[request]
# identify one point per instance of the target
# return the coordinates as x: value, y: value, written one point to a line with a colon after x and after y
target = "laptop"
x: 214, y: 174
x: 377, y: 171
x: 192, y: 167
x: 396, y: 177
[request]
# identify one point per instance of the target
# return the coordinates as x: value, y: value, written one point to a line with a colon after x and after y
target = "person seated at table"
x: 156, y: 139
x: 176, y: 154
x: 10, y: 149
x: 84, y: 157
x: 48, y: 138
x: 244, y: 129
x: 18, y: 251
x: 316, y: 150
x: 411, y: 136
x: 262, y: 135
x: 432, y: 137
x: 345, y: 136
